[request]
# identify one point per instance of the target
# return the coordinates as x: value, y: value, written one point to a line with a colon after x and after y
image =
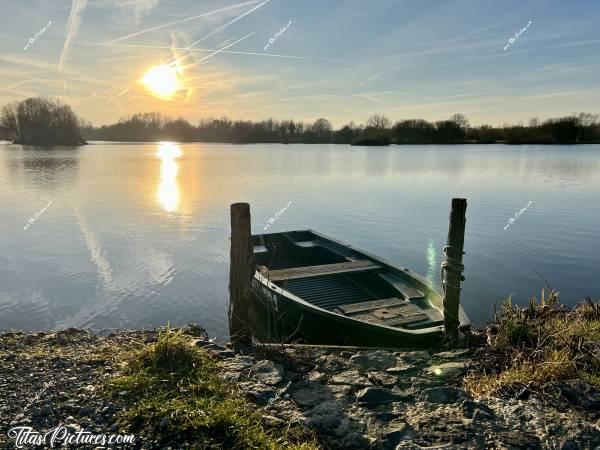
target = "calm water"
x: 137, y: 235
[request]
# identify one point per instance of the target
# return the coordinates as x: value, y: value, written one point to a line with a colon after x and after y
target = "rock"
x: 442, y: 394
x: 377, y: 395
x: 315, y: 375
x: 354, y: 440
x: 232, y: 377
x: 45, y: 411
x: 308, y: 393
x: 468, y: 408
x: 328, y: 416
x: 416, y: 356
x: 194, y: 329
x: 60, y: 363
x: 206, y: 345
x: 482, y: 413
x: 568, y: 444
x: 164, y: 423
x: 401, y: 369
x: 331, y: 363
x: 382, y: 379
x: 238, y: 363
x: 341, y: 390
x: 447, y: 370
x: 523, y: 394
x: 452, y: 354
x: 351, y: 378
x: 580, y: 393
x: 258, y: 392
x: 519, y: 439
x: 393, y: 434
x: 267, y: 372
x: 84, y: 411
x: 378, y: 359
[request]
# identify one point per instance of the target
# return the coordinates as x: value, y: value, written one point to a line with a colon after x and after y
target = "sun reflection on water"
x: 431, y: 262
x: 168, y: 194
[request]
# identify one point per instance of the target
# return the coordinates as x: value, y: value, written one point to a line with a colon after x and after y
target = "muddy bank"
x: 349, y: 398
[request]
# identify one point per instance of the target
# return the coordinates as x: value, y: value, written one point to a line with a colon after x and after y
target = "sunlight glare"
x: 168, y: 189
x: 162, y: 81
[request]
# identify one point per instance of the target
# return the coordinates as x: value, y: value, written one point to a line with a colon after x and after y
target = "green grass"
x: 543, y: 342
x: 174, y: 389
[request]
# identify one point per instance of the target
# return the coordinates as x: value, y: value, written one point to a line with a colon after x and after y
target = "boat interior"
x: 339, y: 279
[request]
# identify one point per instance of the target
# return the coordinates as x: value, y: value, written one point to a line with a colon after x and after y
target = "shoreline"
x: 343, y: 397
x: 400, y: 144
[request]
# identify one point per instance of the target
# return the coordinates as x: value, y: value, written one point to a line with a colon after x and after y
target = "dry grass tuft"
x: 541, y: 343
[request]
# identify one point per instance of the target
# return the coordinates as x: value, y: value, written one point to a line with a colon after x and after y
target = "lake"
x: 116, y: 235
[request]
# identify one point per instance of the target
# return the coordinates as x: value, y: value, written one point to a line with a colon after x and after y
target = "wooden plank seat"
x: 409, y: 292
x: 389, y: 311
x: 362, y: 265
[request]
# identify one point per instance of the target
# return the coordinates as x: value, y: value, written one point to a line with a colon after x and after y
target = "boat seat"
x: 362, y: 265
x: 390, y: 311
x: 409, y: 292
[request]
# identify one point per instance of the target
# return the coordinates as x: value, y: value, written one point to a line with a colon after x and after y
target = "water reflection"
x: 43, y: 169
x: 431, y: 262
x: 168, y: 190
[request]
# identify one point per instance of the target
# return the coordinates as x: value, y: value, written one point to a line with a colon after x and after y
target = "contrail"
x: 223, y: 48
x: 271, y: 55
x: 105, y: 272
x: 72, y: 27
x: 158, y: 27
x: 250, y: 11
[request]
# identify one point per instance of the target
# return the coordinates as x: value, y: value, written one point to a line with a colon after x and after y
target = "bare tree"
x: 461, y: 120
x: 41, y: 121
x: 379, y: 122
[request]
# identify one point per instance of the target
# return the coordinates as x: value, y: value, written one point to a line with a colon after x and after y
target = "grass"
x: 541, y: 343
x: 173, y: 388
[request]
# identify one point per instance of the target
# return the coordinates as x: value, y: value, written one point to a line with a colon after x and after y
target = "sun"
x: 162, y: 81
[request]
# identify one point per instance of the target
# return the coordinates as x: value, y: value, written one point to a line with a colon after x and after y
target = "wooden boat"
x: 312, y: 288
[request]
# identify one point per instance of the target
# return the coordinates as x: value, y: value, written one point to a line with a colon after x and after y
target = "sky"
x: 339, y: 59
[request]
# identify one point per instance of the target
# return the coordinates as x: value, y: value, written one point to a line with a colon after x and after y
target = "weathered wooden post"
x: 452, y: 269
x: 241, y: 272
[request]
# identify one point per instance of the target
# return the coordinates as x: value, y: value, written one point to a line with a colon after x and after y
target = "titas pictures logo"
x: 512, y: 40
x: 34, y: 38
x: 61, y: 437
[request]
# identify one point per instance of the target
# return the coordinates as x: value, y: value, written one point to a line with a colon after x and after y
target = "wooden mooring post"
x: 452, y: 269
x: 241, y: 271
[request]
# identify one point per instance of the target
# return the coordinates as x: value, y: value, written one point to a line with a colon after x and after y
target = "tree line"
x: 39, y: 119
x: 378, y: 130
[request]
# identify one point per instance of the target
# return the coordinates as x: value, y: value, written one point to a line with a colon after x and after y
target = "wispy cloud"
x: 73, y: 23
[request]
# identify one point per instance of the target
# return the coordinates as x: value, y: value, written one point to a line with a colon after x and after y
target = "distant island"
x: 40, y: 121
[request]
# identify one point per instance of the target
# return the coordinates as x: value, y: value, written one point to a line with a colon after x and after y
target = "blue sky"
x: 340, y: 59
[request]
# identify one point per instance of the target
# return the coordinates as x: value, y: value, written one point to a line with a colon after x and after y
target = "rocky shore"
x: 350, y: 398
